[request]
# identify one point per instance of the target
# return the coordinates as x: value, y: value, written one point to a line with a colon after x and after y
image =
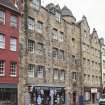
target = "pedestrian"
x: 39, y: 100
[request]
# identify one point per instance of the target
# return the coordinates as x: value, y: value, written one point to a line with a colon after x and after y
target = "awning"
x: 8, y: 85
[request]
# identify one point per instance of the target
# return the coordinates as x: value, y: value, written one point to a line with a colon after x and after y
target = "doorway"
x: 74, y: 98
x: 93, y: 97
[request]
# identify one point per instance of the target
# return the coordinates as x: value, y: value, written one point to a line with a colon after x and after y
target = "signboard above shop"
x: 93, y: 90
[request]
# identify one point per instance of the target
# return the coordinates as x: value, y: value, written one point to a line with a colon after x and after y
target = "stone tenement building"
x: 59, y: 58
x: 91, y: 62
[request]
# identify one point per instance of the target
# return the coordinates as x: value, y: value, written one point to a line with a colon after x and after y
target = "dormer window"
x: 36, y: 4
x: 58, y: 16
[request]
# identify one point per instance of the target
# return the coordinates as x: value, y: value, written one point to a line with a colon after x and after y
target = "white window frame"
x: 31, y: 70
x: 13, y: 21
x: 31, y: 23
x: 31, y: 46
x: 13, y: 69
x: 2, y: 68
x: 13, y: 44
x: 2, y: 41
x: 2, y: 17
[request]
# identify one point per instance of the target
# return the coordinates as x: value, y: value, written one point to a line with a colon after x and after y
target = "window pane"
x: 58, y: 16
x: 13, y: 68
x: 31, y: 69
x: 55, y: 52
x: 55, y: 34
x: 56, y: 74
x: 13, y: 21
x: 61, y: 37
x: 2, y: 41
x: 40, y: 71
x: 2, y: 16
x: 40, y: 48
x: 31, y: 45
x: 36, y: 4
x: 61, y: 54
x: 13, y: 44
x: 31, y: 23
x: 2, y: 67
x: 39, y: 26
x: 62, y: 75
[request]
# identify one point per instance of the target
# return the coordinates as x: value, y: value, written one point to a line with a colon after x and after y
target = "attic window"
x: 58, y: 16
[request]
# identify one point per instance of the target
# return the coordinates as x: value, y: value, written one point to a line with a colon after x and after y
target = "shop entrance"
x: 74, y: 98
x: 93, y: 97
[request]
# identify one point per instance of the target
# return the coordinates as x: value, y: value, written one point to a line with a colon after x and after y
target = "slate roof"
x: 8, y: 4
x: 66, y: 12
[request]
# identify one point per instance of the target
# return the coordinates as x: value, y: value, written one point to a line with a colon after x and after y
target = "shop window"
x: 36, y: 4
x: 56, y: 74
x: 31, y: 45
x: 31, y: 69
x: 54, y: 34
x: 2, y: 16
x: 13, y: 69
x: 31, y: 23
x: 2, y: 41
x: 55, y: 53
x: 2, y: 67
x: 40, y: 71
x: 13, y: 44
x: 39, y: 26
x: 13, y: 21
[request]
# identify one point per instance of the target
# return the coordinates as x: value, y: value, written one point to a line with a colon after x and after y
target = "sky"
x: 94, y: 10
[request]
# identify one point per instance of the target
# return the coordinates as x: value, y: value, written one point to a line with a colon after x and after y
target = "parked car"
x: 102, y: 100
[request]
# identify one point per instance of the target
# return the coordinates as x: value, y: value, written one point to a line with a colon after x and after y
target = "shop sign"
x: 47, y: 88
x: 93, y: 90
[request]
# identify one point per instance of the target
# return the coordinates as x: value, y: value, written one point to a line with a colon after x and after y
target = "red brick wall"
x: 6, y: 54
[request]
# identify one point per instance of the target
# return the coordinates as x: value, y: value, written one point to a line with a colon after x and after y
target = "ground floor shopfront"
x: 8, y: 94
x: 43, y: 95
x: 91, y: 94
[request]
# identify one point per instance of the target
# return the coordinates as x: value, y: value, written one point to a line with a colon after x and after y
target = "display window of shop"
x: 8, y: 96
x: 47, y: 96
